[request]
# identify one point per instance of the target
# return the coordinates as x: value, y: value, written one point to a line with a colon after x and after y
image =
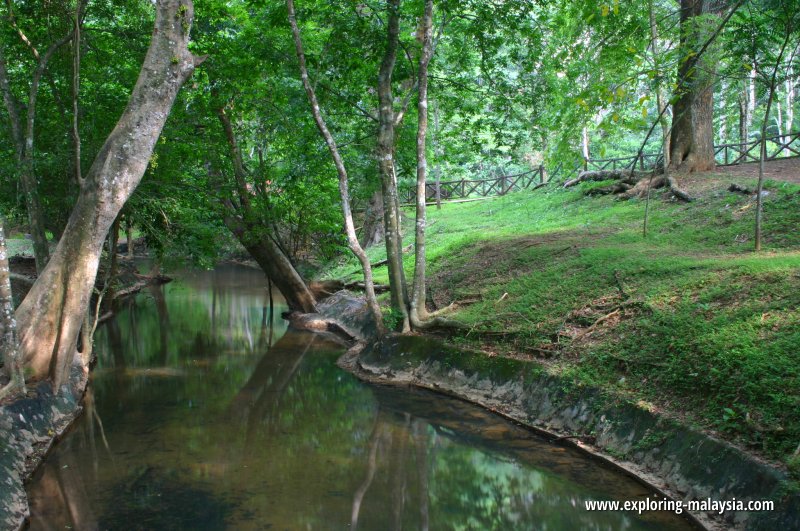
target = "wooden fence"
x: 469, y: 188
x: 784, y: 146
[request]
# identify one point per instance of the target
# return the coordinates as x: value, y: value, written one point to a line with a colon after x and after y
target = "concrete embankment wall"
x: 681, y: 462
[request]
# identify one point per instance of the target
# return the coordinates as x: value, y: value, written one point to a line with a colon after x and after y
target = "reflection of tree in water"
x: 288, y: 439
x: 447, y: 473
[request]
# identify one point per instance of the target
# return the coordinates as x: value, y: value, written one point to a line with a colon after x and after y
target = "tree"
x: 352, y: 238
x: 9, y: 342
x: 23, y: 133
x: 784, y: 15
x: 51, y: 315
x: 243, y: 222
x: 692, y: 136
x: 418, y: 311
x: 386, y: 164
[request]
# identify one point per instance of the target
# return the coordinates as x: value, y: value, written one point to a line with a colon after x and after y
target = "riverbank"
x: 687, y: 323
x: 29, y: 427
x: 674, y: 460
x: 31, y: 424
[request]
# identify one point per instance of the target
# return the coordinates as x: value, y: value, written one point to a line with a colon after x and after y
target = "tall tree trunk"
x: 723, y: 115
x: 692, y: 138
x: 344, y: 193
x: 129, y: 236
x: 76, y: 91
x: 51, y: 315
x: 418, y: 310
x: 386, y: 167
x: 437, y: 151
x: 790, y: 87
x: 751, y: 98
x: 743, y: 131
x: 9, y: 342
x: 22, y: 134
x: 373, y: 231
x: 585, y: 147
x: 661, y: 101
x: 245, y: 224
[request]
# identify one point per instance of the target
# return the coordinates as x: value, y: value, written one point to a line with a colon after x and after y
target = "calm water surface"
x: 205, y: 414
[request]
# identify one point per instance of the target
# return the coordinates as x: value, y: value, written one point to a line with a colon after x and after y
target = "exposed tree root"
x: 13, y: 387
x: 625, y: 176
x: 437, y: 322
x: 640, y: 189
x: 315, y: 322
x: 677, y: 191
x: 594, y: 325
x: 326, y: 288
x: 631, y: 184
x: 611, y: 313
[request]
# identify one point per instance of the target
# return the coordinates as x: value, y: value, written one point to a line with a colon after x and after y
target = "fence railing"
x: 468, y: 188
x: 783, y: 146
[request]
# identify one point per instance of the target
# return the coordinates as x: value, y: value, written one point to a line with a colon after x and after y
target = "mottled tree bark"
x: 373, y: 231
x: 385, y: 154
x: 344, y: 193
x: 438, y: 155
x: 51, y: 315
x: 692, y: 138
x: 9, y: 342
x: 418, y: 311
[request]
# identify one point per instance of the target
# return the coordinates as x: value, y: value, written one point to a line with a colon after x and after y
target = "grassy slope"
x: 710, y: 331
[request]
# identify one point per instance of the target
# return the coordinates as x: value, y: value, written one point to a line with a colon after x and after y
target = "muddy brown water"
x: 204, y: 413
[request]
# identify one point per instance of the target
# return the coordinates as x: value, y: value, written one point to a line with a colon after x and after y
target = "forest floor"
x: 688, y: 321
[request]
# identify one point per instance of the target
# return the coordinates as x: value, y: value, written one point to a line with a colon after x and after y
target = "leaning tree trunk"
x: 385, y: 152
x: 692, y: 138
x: 264, y: 247
x: 272, y: 260
x: 418, y: 311
x: 51, y: 315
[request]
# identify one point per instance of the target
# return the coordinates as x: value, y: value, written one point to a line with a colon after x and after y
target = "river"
x: 204, y: 413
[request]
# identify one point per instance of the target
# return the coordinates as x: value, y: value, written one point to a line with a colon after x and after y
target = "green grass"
x: 713, y: 336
